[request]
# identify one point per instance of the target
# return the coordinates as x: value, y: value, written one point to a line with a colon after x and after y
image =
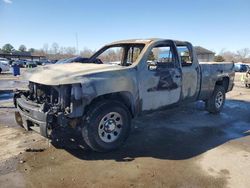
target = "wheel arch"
x: 223, y: 81
x: 124, y: 97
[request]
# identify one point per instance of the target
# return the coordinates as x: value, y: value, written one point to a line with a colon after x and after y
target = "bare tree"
x: 70, y: 50
x: 243, y: 54
x: 54, y: 48
x: 46, y: 48
x: 86, y: 52
x: 39, y: 53
x: 228, y: 55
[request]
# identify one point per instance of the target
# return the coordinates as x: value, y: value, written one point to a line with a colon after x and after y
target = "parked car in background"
x: 45, y: 61
x: 21, y: 63
x: 53, y: 61
x: 77, y: 59
x: 240, y: 67
x: 4, y: 59
x: 4, y: 65
x: 11, y: 62
x: 31, y: 64
x: 38, y: 62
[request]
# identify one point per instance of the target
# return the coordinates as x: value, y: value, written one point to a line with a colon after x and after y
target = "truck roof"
x: 144, y: 41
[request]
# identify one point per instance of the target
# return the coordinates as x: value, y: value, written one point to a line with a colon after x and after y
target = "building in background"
x: 204, y: 55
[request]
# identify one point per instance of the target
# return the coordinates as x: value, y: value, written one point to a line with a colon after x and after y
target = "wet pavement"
x: 8, y: 82
x: 4, y: 95
x: 181, y: 147
x: 10, y: 85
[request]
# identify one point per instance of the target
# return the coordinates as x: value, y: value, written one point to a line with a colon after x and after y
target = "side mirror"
x: 152, y: 65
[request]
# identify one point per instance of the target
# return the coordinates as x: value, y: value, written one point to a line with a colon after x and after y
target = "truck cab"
x: 122, y: 80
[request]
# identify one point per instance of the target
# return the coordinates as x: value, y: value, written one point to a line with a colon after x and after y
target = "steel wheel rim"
x: 219, y: 99
x: 110, y: 127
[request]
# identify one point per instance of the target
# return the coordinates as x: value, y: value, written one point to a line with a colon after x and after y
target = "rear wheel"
x: 216, y: 102
x: 0, y: 70
x: 106, y: 126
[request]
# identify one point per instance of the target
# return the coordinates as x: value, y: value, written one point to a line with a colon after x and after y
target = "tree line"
x: 54, y: 51
x: 242, y: 55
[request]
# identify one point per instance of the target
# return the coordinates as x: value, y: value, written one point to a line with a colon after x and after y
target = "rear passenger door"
x: 190, y: 72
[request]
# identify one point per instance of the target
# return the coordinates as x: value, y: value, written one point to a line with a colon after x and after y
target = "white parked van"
x: 4, y: 65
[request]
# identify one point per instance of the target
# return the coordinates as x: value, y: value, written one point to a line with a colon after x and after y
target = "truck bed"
x: 212, y: 72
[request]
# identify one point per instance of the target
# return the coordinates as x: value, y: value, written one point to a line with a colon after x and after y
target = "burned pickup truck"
x: 122, y: 80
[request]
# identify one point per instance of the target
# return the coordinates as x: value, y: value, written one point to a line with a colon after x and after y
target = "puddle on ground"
x: 12, y: 84
x: 6, y: 95
x: 237, y: 104
x: 237, y: 129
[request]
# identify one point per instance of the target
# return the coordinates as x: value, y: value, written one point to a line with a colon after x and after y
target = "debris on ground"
x: 34, y: 150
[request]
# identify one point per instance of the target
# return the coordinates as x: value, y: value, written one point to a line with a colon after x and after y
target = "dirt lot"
x: 181, y: 147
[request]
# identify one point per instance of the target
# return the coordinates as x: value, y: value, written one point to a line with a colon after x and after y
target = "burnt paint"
x: 97, y: 80
x: 166, y: 81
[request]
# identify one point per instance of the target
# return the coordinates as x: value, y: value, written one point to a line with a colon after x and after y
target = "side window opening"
x: 124, y: 54
x: 185, y: 55
x: 161, y: 56
x: 133, y: 54
x: 112, y: 55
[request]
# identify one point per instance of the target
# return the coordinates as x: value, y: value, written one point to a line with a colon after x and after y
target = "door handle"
x: 177, y: 76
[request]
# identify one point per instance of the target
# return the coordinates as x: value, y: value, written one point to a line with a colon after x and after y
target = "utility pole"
x: 77, y: 52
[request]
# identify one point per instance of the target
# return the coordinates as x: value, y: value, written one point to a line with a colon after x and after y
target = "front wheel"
x: 216, y: 102
x: 106, y: 125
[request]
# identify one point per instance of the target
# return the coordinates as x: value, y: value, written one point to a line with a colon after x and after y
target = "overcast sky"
x: 214, y: 24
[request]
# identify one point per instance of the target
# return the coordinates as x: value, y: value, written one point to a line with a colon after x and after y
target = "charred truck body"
x: 121, y: 81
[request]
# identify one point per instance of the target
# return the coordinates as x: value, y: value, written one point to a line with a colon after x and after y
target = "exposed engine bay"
x: 56, y: 105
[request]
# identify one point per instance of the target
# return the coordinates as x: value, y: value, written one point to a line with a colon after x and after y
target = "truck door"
x: 190, y: 72
x: 160, y: 80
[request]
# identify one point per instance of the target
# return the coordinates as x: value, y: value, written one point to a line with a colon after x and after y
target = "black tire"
x: 0, y: 70
x: 216, y: 102
x: 95, y: 132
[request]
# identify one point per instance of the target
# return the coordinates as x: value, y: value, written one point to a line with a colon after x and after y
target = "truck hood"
x: 66, y: 73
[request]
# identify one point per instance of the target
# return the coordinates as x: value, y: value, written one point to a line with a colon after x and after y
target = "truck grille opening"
x: 43, y: 93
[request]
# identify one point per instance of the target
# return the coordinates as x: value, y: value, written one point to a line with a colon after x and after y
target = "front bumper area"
x: 31, y: 117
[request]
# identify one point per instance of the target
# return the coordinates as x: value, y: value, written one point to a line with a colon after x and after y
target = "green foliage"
x: 32, y: 50
x: 8, y: 48
x: 22, y: 48
x: 151, y: 56
x: 219, y: 58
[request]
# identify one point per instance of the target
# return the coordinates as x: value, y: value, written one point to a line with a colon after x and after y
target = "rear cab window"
x: 185, y: 56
